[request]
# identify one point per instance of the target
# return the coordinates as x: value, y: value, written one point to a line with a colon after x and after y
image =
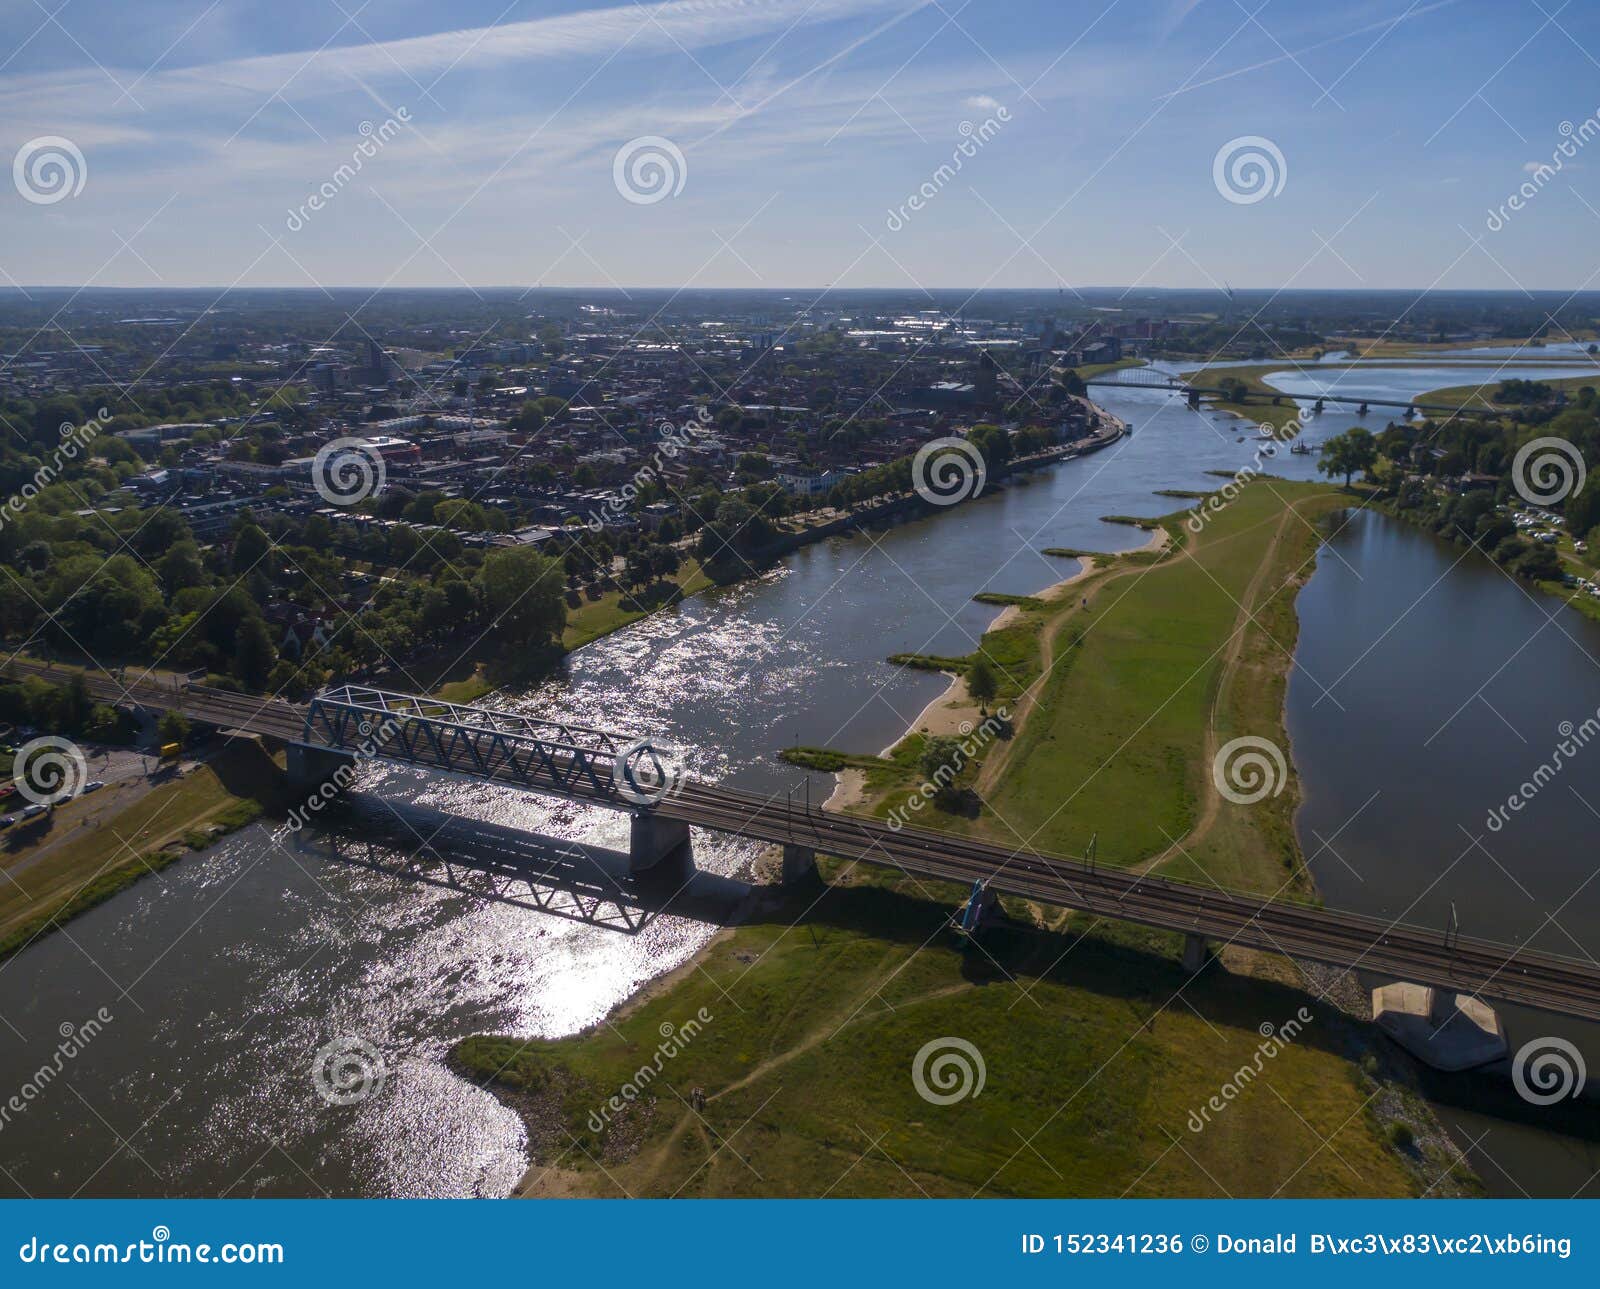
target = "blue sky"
x: 804, y: 128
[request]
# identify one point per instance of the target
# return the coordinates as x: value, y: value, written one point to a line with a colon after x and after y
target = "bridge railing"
x: 481, y: 741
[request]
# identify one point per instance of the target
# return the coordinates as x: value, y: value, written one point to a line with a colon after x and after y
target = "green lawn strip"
x: 234, y: 789
x: 1113, y: 746
x: 1480, y: 396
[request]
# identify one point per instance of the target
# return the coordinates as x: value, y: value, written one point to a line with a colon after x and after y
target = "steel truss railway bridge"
x: 1145, y: 378
x: 340, y: 727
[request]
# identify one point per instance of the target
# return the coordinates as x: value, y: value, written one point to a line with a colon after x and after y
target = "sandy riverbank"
x: 955, y: 712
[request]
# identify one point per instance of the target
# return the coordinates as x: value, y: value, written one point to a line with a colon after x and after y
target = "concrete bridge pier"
x: 799, y: 864
x: 652, y: 839
x: 1195, y: 953
x: 1441, y: 1028
x: 311, y: 768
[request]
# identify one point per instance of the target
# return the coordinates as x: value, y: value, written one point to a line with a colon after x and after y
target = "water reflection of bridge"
x: 573, y: 880
x: 328, y: 739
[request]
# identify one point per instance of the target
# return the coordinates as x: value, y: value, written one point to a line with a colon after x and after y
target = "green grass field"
x: 229, y: 791
x: 812, y: 1015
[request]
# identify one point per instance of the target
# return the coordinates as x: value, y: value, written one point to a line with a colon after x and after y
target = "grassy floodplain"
x: 800, y: 1083
x: 230, y: 790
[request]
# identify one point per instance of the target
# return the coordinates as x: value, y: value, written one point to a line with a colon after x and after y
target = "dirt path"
x: 994, y: 766
x: 662, y: 1156
x: 1211, y: 798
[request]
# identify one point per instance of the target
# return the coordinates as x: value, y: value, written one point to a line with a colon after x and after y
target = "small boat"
x: 1300, y: 450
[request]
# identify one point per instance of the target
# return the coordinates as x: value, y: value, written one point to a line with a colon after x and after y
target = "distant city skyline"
x: 802, y: 144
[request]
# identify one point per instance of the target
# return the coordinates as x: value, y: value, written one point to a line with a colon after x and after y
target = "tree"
x: 249, y: 548
x: 1072, y: 383
x: 1347, y: 453
x: 253, y: 653
x: 982, y: 683
x: 523, y: 592
x: 941, y: 763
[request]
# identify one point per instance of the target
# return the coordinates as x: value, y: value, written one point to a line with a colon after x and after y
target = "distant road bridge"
x: 342, y: 726
x: 1149, y: 378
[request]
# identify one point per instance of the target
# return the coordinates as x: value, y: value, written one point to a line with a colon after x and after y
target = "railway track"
x: 1491, y: 970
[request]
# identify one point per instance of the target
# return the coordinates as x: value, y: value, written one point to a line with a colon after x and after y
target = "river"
x: 227, y: 973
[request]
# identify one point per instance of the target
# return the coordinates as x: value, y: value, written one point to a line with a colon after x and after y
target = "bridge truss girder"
x: 558, y: 755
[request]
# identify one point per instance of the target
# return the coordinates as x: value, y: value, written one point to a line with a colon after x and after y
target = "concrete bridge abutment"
x: 321, y: 770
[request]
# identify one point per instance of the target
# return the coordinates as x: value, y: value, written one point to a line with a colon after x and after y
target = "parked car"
x: 32, y: 812
x: 94, y: 785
